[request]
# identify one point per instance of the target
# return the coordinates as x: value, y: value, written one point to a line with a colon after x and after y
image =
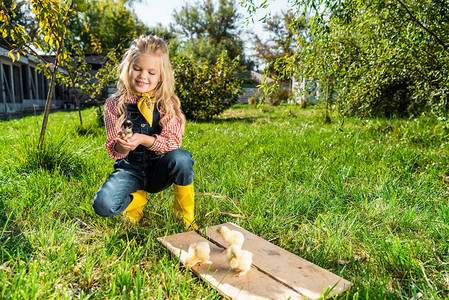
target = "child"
x: 151, y: 159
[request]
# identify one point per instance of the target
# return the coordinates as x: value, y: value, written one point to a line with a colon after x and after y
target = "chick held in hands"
x: 239, y: 259
x: 127, y: 128
x: 199, y: 253
x: 231, y: 237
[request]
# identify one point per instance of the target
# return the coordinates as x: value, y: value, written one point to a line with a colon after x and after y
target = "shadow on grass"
x: 40, y: 111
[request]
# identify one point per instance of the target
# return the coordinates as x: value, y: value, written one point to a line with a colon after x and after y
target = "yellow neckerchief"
x: 146, y: 105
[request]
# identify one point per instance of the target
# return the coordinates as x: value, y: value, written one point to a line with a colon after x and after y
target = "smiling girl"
x: 151, y: 159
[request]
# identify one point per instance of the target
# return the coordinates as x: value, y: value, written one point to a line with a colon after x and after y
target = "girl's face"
x: 145, y: 73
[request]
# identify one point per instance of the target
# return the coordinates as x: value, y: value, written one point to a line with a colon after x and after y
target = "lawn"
x: 365, y: 199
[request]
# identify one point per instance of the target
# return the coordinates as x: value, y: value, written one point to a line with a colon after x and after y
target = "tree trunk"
x: 79, y: 111
x: 48, y: 106
x: 77, y: 101
x: 49, y: 97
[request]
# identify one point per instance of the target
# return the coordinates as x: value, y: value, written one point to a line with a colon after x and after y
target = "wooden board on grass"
x: 254, y: 285
x: 275, y: 273
x: 300, y: 275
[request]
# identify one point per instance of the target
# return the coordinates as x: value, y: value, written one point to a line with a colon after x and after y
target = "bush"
x: 56, y: 153
x: 388, y: 67
x: 278, y: 96
x: 256, y: 98
x: 204, y: 90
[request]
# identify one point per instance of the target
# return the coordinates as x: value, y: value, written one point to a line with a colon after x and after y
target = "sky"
x: 151, y: 12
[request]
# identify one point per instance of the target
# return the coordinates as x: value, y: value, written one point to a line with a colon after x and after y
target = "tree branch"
x: 423, y: 27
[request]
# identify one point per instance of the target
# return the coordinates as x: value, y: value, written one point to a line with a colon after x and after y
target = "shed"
x: 23, y: 89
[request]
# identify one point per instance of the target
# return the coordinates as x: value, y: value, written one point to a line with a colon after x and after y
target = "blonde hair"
x: 165, y: 91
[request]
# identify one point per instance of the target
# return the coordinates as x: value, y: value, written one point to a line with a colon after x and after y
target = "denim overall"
x: 142, y: 169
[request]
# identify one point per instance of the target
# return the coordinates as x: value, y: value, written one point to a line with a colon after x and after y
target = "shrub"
x: 56, y: 153
x: 256, y: 98
x: 206, y: 90
x: 278, y: 96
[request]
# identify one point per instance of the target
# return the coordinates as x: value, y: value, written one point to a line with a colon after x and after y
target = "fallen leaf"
x: 75, y: 183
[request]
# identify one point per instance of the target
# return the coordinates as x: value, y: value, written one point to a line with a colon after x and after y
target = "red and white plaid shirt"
x: 169, y: 139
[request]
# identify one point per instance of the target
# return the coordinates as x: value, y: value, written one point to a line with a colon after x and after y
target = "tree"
x: 397, y: 60
x: 19, y: 17
x: 208, y: 27
x: 111, y: 24
x: 282, y: 40
x: 376, y: 57
x: 202, y: 50
x: 52, y: 16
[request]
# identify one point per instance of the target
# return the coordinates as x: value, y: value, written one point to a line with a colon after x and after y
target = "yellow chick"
x: 231, y: 237
x: 239, y: 259
x: 198, y: 253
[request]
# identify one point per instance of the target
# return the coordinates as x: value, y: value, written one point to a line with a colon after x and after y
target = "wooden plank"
x: 301, y: 275
x: 254, y: 285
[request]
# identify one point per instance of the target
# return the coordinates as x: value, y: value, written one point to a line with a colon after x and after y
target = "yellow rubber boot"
x: 134, y: 211
x: 184, y: 205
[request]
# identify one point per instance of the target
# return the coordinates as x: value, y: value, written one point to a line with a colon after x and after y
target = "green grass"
x: 365, y: 199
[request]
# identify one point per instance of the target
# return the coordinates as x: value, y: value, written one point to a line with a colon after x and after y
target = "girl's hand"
x: 125, y: 145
